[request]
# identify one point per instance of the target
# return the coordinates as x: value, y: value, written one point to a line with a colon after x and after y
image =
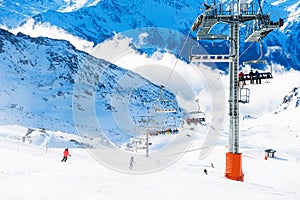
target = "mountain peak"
x: 290, y: 101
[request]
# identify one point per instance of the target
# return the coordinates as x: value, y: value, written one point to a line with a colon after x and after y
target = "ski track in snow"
x: 27, y: 171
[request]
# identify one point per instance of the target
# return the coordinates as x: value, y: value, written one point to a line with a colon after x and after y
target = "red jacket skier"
x: 66, y: 154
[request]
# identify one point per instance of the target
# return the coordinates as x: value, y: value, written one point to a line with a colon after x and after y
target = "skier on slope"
x: 131, y: 163
x: 66, y: 154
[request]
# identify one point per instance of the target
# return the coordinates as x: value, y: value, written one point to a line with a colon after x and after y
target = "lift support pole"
x: 239, y: 13
x: 233, y: 156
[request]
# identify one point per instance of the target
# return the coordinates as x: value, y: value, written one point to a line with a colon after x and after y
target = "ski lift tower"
x: 146, y: 125
x: 238, y: 12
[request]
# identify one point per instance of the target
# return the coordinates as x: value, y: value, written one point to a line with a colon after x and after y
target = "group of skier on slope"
x: 131, y: 162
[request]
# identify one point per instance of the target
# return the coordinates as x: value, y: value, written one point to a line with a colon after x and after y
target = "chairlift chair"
x: 259, y: 61
x: 196, y: 117
x: 244, y: 95
x: 147, y: 123
x: 164, y: 105
x: 197, y: 54
x: 173, y: 126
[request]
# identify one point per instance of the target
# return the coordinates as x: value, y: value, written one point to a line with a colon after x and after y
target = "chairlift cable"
x: 210, y: 86
x: 246, y: 49
x: 190, y: 150
x: 180, y: 53
x: 295, y: 15
x: 182, y: 152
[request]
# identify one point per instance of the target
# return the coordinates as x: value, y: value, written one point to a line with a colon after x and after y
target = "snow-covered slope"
x: 39, y: 77
x: 279, y: 129
x: 30, y: 172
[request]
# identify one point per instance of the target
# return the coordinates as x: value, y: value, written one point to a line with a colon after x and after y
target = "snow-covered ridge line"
x: 47, y: 30
x: 41, y: 137
x: 290, y: 101
x: 73, y: 5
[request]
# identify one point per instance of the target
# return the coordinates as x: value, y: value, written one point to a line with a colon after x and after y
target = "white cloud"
x: 54, y: 32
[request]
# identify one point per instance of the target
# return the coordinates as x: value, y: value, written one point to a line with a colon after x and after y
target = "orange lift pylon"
x: 234, y: 14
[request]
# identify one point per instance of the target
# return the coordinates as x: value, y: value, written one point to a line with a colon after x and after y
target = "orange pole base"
x: 234, y: 166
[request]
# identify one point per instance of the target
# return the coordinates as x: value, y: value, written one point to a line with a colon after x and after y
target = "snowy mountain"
x: 48, y: 87
x: 290, y: 101
x: 45, y: 83
x: 15, y: 12
x: 102, y: 20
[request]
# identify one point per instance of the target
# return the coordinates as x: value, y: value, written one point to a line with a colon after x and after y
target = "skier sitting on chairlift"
x: 257, y: 77
x: 242, y: 78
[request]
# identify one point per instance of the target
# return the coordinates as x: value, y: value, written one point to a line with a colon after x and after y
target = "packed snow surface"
x: 30, y: 170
